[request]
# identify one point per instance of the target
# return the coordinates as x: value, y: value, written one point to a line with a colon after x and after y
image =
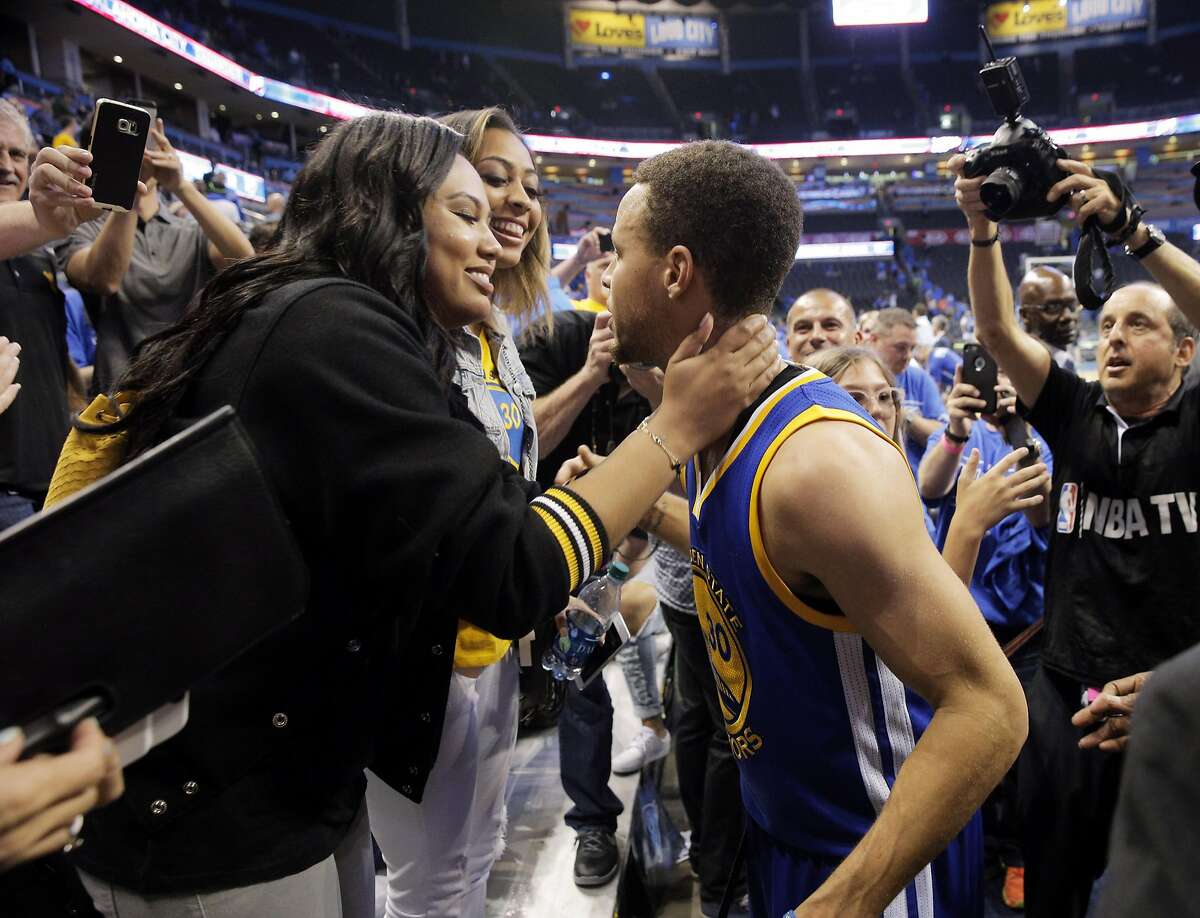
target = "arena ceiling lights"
x: 888, y: 146
x: 131, y: 18
x: 879, y: 12
x: 140, y: 23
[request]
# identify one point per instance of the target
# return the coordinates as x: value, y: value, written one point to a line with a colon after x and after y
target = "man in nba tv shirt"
x: 868, y: 706
x: 1121, y: 572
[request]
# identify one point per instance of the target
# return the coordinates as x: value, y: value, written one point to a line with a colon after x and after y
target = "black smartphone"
x: 980, y: 370
x: 51, y: 734
x: 606, y: 243
x: 616, y: 635
x: 119, y: 133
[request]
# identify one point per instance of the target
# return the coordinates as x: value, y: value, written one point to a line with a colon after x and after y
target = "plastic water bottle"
x: 564, y: 658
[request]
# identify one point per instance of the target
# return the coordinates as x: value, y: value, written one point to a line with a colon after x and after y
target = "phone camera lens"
x: 980, y: 364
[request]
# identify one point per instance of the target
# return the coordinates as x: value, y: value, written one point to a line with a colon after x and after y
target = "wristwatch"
x: 1155, y: 240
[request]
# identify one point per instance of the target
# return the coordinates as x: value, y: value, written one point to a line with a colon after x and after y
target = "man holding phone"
x: 139, y: 270
x: 32, y: 315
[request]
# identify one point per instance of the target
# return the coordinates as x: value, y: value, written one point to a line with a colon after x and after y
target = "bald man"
x: 1050, y: 311
x: 819, y: 319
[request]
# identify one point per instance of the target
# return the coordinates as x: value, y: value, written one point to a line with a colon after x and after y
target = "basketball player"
x: 868, y: 706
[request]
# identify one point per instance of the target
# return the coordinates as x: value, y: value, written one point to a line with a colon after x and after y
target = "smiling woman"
x: 487, y: 257
x: 494, y: 146
x: 461, y: 251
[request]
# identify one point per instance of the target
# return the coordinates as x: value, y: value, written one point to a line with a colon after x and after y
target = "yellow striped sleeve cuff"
x: 579, y: 532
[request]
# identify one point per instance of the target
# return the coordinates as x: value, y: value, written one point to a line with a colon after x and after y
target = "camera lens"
x: 1001, y: 191
x: 980, y: 364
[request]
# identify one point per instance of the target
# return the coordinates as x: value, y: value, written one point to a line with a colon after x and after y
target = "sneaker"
x: 595, y: 857
x: 646, y: 747
x: 1014, y: 888
x: 685, y: 848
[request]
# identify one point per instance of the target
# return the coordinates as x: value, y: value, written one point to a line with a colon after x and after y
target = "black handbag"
x: 118, y: 599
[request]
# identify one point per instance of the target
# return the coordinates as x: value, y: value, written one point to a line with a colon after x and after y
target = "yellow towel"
x: 87, y: 457
x: 476, y: 648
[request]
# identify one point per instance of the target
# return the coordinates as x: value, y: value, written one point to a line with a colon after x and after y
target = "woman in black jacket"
x: 330, y: 348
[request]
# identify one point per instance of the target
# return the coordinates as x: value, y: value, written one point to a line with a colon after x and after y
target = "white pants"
x: 439, y: 852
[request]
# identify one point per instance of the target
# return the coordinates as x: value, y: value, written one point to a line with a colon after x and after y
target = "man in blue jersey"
x: 868, y: 706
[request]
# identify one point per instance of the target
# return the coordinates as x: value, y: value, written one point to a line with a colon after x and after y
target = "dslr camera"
x: 1020, y: 161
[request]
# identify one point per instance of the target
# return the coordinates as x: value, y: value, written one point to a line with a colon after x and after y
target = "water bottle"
x: 565, y: 656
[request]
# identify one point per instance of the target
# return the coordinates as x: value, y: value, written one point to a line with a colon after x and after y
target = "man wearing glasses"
x: 1050, y: 311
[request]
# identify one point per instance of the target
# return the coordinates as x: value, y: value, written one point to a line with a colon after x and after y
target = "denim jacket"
x: 468, y: 377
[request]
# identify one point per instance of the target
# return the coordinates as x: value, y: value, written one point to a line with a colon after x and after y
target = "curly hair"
x: 735, y: 211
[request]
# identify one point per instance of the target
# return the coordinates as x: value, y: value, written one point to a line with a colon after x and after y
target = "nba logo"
x: 1066, y: 507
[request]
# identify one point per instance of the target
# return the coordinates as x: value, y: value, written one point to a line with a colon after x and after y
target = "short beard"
x: 622, y: 354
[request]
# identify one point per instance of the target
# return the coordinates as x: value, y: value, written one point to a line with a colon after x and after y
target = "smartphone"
x: 51, y: 733
x: 606, y: 243
x: 614, y: 638
x: 979, y: 370
x: 119, y: 133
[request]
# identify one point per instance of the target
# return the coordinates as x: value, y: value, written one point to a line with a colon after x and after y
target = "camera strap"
x: 1084, y: 272
x: 1092, y: 245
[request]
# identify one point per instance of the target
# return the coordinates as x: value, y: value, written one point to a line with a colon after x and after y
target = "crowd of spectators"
x: 1068, y: 510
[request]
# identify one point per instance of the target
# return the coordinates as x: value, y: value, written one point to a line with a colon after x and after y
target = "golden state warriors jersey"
x: 819, y: 725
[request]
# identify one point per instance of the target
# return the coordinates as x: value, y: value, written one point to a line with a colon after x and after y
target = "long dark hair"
x: 354, y: 212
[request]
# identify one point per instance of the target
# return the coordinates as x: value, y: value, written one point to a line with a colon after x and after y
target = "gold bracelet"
x: 676, y: 465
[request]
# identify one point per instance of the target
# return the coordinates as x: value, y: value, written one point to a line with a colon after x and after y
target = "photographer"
x: 1120, y: 573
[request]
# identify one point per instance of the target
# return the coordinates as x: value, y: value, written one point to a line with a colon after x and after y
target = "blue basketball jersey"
x: 819, y: 725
